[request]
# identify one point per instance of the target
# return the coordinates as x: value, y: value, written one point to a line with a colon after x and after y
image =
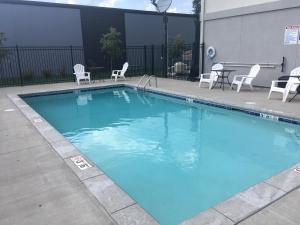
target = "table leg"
x: 293, y: 97
x: 215, y: 83
x: 228, y: 81
x: 223, y: 82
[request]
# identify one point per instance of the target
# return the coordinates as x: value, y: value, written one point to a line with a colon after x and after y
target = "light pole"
x: 162, y: 6
x: 166, y: 57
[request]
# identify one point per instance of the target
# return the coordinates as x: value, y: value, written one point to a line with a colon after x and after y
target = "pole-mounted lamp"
x: 162, y: 6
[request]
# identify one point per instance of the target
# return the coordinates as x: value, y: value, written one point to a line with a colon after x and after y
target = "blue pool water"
x: 174, y: 158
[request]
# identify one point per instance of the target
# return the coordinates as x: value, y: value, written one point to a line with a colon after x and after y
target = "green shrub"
x: 47, y: 74
x: 28, y: 75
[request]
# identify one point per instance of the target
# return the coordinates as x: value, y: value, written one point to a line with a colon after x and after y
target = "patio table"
x: 92, y: 69
x: 224, y: 74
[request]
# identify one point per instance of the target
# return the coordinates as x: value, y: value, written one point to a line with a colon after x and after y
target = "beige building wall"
x: 220, y: 5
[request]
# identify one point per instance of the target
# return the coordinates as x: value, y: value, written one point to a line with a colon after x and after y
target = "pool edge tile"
x: 208, y: 217
x: 49, y: 132
x: 65, y: 149
x: 110, y: 195
x: 261, y: 194
x: 133, y: 214
x: 85, y: 174
x: 250, y: 201
x: 235, y: 208
x: 286, y: 180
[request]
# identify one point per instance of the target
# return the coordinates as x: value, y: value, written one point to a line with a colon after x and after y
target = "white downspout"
x: 202, y: 34
x: 202, y: 22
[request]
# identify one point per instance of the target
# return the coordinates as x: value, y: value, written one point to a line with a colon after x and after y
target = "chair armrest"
x: 240, y: 78
x: 204, y: 74
x: 240, y: 75
x: 274, y: 82
x: 171, y: 67
x: 279, y: 81
x: 116, y: 72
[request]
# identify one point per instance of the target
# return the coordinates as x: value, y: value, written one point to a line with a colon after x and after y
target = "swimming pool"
x: 173, y: 157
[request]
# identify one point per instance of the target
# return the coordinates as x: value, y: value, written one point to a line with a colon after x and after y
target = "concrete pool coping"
x: 125, y: 210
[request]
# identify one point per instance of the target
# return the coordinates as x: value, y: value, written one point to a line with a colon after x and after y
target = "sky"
x: 178, y: 6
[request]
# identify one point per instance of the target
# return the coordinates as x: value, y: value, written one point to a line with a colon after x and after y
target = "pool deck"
x: 41, y: 186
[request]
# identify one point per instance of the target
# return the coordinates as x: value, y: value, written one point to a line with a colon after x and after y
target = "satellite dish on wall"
x: 163, y: 5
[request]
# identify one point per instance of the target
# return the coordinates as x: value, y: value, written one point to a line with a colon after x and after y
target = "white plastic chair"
x: 291, y: 86
x: 120, y: 73
x: 211, y: 77
x: 80, y: 74
x: 240, y: 80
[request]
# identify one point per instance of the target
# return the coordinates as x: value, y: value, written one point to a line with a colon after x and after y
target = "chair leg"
x: 239, y: 87
x: 200, y: 83
x: 284, y: 96
x: 269, y: 96
x: 251, y: 87
x: 211, y: 85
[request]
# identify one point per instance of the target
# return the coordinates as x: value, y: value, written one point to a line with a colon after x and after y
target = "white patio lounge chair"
x: 291, y: 85
x: 211, y: 77
x: 80, y: 74
x: 120, y: 73
x: 241, y: 80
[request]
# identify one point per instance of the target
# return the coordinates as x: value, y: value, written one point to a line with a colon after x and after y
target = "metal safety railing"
x: 262, y: 65
x: 148, y: 81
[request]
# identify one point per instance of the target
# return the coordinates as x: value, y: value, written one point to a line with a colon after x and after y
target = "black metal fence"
x: 33, y: 65
x: 36, y: 65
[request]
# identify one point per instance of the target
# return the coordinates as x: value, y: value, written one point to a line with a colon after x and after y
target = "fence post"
x: 152, y: 59
x: 163, y: 53
x: 72, y: 60
x: 145, y: 59
x: 19, y: 65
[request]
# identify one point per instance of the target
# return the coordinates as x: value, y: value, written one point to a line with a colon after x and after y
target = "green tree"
x: 176, y: 47
x: 197, y: 9
x: 111, y: 44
